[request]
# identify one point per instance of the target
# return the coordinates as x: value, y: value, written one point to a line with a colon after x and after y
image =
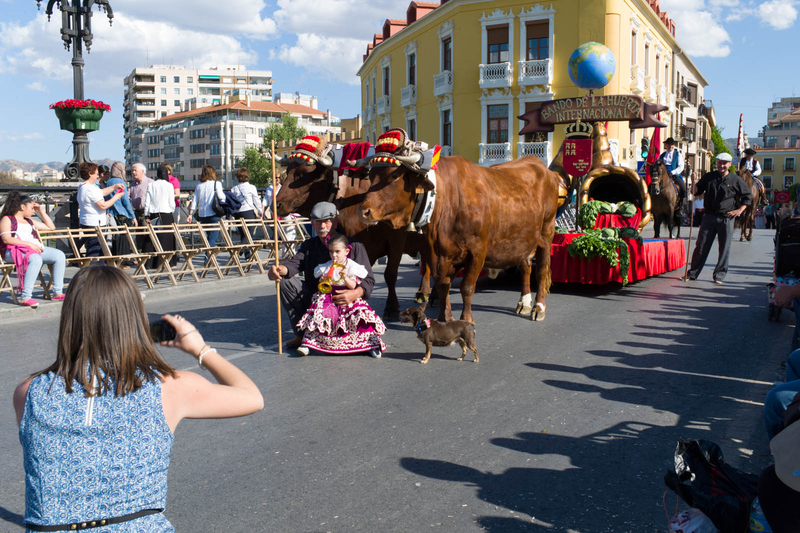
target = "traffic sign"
x: 640, y: 169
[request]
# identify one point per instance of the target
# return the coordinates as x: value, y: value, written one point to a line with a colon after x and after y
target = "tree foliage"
x: 719, y: 143
x: 286, y: 130
x: 259, y: 166
x: 7, y: 179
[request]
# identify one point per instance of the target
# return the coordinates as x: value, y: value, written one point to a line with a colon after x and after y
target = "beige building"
x: 162, y: 90
x: 778, y: 168
x: 693, y: 116
x: 783, y: 124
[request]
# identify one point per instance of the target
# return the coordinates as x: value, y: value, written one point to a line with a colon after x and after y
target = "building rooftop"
x: 242, y: 105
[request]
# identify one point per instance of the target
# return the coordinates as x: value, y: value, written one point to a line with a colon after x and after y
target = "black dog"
x: 433, y: 333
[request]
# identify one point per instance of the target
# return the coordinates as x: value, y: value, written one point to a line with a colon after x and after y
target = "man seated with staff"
x: 295, y: 293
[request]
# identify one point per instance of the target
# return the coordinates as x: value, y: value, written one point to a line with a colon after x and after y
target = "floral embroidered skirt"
x: 336, y: 329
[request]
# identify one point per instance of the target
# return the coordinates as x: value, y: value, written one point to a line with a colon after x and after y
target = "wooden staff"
x: 689, y: 242
x: 277, y: 251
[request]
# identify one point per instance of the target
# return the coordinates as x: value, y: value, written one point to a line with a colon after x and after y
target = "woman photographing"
x: 20, y: 244
x: 97, y: 426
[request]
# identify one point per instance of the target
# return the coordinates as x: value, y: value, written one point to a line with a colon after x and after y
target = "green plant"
x: 793, y: 192
x: 719, y: 143
x: 259, y: 166
x: 286, y: 130
x: 593, y: 244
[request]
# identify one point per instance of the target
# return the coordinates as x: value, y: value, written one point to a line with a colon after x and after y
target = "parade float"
x: 612, y: 201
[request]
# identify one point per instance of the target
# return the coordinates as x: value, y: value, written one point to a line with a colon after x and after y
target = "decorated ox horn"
x: 360, y: 162
x: 325, y: 160
x: 412, y: 159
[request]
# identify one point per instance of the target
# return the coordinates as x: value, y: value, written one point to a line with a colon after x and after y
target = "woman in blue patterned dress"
x: 97, y: 426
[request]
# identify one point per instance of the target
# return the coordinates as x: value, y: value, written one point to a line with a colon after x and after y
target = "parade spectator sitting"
x: 97, y: 426
x: 340, y: 329
x: 20, y: 244
x: 723, y: 191
x: 92, y: 205
x: 296, y: 294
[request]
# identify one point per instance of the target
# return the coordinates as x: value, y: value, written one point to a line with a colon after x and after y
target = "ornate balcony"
x: 496, y: 75
x: 683, y: 96
x: 384, y: 105
x: 637, y: 79
x: 368, y: 113
x: 494, y: 153
x: 443, y: 83
x: 536, y: 72
x: 650, y: 93
x: 540, y: 150
x: 408, y: 96
x: 663, y: 97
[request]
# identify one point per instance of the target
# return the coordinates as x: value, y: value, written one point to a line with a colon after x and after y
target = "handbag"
x: 216, y: 205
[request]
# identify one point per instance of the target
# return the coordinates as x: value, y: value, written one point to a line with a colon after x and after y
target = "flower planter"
x: 74, y: 119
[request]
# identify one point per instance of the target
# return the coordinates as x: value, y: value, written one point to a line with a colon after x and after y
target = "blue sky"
x: 746, y: 49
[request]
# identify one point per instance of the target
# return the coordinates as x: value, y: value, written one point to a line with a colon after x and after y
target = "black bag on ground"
x: 703, y: 480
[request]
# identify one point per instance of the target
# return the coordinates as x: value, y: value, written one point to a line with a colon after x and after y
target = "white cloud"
x: 37, y: 86
x: 355, y: 19
x: 700, y: 34
x: 12, y: 137
x: 338, y: 57
x: 780, y: 14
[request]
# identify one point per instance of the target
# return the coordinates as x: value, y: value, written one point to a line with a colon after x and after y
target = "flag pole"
x: 277, y: 251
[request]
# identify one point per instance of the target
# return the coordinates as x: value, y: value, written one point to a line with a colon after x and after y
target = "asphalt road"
x: 565, y: 425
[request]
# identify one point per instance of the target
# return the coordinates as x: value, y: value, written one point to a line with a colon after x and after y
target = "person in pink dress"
x: 340, y: 329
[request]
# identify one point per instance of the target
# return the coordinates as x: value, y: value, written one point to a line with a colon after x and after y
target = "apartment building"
x: 459, y: 72
x: 783, y: 124
x: 778, y: 168
x: 162, y: 90
x: 693, y: 115
x: 217, y: 135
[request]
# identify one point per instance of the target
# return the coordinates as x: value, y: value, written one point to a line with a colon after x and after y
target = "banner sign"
x: 782, y: 197
x: 577, y: 156
x: 613, y: 108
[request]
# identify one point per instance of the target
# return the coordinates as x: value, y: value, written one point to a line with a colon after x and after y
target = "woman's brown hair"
x: 208, y: 174
x: 104, y: 336
x: 243, y: 175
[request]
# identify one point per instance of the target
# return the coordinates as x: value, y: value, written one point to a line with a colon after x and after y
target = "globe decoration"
x: 592, y: 65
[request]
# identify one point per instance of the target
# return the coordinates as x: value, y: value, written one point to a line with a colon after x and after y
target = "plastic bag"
x: 703, y: 480
x: 692, y: 521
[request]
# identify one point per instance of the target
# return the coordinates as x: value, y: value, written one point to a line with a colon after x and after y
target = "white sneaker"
x: 303, y: 350
x: 376, y: 353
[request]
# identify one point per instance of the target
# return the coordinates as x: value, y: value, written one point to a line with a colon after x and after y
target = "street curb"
x: 47, y: 308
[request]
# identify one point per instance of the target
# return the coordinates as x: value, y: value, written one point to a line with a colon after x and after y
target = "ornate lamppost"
x: 76, y: 30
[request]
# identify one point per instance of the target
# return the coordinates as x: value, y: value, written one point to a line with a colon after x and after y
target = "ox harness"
x: 424, y: 203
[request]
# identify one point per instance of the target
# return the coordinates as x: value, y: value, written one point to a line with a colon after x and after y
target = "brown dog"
x: 433, y: 333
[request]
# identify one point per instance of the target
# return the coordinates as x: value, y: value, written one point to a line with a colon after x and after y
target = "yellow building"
x: 459, y: 73
x: 778, y: 168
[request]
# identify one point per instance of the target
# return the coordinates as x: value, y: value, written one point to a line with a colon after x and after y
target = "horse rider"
x: 672, y: 159
x: 752, y: 164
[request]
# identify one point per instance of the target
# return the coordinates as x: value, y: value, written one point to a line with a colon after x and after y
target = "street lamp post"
x: 76, y: 30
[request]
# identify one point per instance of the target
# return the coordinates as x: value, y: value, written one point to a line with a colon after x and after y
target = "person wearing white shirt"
x: 92, y: 205
x: 247, y: 195
x: 268, y: 197
x: 159, y: 205
x: 203, y: 201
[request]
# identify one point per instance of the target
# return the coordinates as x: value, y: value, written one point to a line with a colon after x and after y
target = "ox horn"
x: 325, y: 161
x: 409, y: 159
x: 360, y: 162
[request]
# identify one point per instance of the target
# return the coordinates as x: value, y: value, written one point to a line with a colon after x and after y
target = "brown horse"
x: 664, y: 200
x: 304, y: 185
x: 747, y: 219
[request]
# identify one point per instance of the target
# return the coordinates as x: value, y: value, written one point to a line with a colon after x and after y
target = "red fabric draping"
x: 354, y: 151
x: 605, y: 220
x: 650, y: 258
x: 654, y: 151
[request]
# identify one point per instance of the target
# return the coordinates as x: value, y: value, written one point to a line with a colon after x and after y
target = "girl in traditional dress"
x: 335, y: 329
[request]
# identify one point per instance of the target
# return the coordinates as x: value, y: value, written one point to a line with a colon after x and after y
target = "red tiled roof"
x: 425, y: 4
x: 241, y: 104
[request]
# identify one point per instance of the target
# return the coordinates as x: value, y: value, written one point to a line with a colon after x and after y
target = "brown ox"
x: 304, y: 185
x: 493, y: 218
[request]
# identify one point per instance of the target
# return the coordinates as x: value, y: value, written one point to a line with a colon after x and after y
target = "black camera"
x: 161, y: 331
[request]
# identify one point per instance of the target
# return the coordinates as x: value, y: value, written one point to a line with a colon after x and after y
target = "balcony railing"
x: 663, y: 97
x: 683, y: 96
x: 536, y: 72
x: 494, y: 153
x: 384, y: 104
x: 539, y: 149
x: 408, y: 96
x: 443, y: 83
x: 650, y: 93
x: 686, y: 134
x: 369, y: 113
x: 496, y: 75
x: 637, y: 79
x: 446, y: 151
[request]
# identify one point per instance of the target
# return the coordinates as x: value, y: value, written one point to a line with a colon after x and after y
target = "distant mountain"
x: 8, y: 165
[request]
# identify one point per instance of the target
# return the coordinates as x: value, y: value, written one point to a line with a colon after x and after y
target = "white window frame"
x: 786, y: 164
x: 771, y: 164
x: 535, y: 13
x: 498, y: 98
x: 386, y: 62
x: 411, y: 49
x: 784, y: 181
x: 442, y: 108
x: 636, y: 26
x: 497, y: 18
x: 409, y: 117
x: 445, y: 31
x: 763, y: 180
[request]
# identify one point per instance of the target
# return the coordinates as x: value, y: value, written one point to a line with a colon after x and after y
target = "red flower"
x: 80, y: 104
